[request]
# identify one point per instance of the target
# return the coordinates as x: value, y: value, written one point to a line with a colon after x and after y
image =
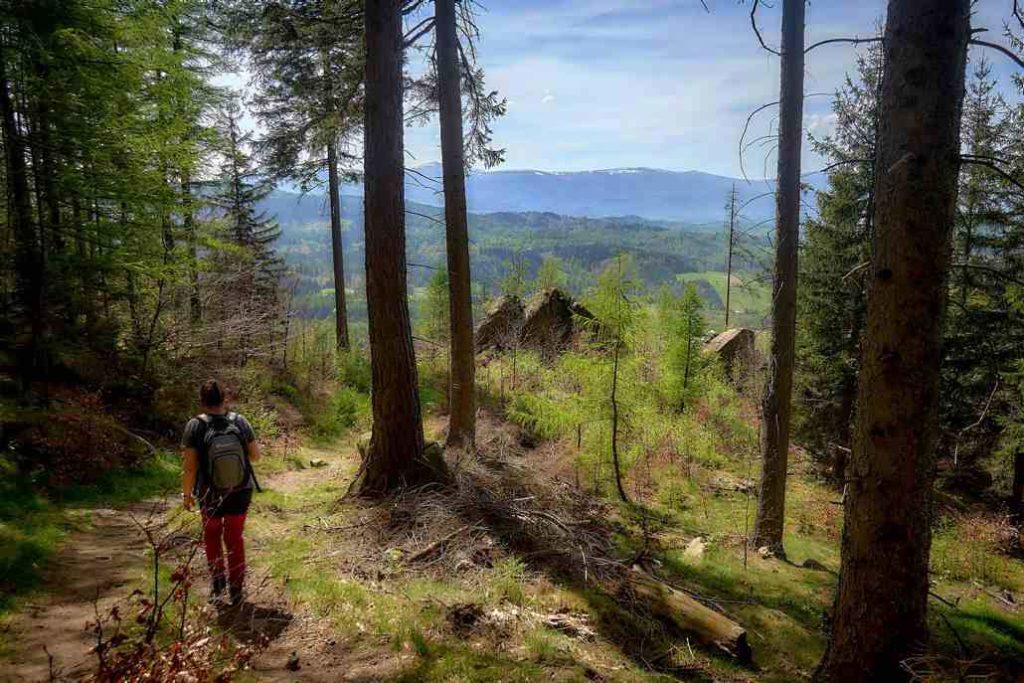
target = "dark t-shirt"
x: 213, y: 505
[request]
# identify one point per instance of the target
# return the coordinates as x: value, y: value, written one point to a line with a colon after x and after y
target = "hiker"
x: 218, y: 449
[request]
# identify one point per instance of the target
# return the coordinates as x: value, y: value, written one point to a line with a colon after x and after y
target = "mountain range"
x: 691, y: 197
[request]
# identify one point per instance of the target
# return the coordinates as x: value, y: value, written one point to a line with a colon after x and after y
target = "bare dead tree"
x: 776, y: 406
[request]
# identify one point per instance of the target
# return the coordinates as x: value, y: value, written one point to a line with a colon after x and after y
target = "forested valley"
x: 282, y: 400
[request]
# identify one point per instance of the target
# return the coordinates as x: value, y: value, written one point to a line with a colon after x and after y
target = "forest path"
x: 48, y: 638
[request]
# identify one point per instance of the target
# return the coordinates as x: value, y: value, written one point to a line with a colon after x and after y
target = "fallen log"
x: 432, y: 547
x: 690, y: 616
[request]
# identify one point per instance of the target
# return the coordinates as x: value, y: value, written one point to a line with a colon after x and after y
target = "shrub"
x: 354, y: 371
x: 75, y: 442
x: 343, y: 410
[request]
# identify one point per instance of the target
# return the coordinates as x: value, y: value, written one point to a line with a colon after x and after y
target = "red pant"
x: 221, y: 532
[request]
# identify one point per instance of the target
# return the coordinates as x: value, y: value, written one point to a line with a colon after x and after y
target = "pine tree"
x: 880, y: 609
x: 394, y: 458
x: 306, y: 61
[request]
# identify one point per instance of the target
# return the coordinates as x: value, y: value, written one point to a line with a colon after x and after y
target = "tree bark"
x: 615, y: 425
x: 880, y: 609
x: 337, y: 252
x: 462, y: 396
x: 776, y: 408
x: 1017, y: 492
x: 195, y: 304
x: 394, y: 456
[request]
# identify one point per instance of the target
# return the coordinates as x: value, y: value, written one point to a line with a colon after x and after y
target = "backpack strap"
x: 232, y: 417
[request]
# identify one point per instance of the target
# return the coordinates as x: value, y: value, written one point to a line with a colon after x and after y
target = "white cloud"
x: 820, y: 125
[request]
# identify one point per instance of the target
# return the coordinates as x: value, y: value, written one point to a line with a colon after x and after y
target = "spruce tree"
x: 306, y: 62
x: 249, y: 300
x: 462, y: 356
x: 833, y: 261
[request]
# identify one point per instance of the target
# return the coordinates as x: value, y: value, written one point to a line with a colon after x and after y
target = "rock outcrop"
x: 551, y: 322
x: 735, y: 349
x: 548, y: 323
x: 502, y: 325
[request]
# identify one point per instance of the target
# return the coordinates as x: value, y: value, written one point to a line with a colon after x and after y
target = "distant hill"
x: 662, y: 249
x: 691, y: 197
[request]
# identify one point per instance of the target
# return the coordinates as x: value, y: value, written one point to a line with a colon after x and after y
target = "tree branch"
x: 837, y: 164
x: 757, y: 31
x: 854, y: 41
x: 744, y: 133
x: 987, y: 163
x: 423, y: 215
x: 754, y: 113
x: 418, y: 31
x: 994, y: 46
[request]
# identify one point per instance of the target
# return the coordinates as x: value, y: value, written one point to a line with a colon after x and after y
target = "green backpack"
x: 227, y: 465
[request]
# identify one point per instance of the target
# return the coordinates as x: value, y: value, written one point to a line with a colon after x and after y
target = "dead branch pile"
x: 496, y: 506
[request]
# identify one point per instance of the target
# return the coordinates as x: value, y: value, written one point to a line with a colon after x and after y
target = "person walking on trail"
x: 218, y: 449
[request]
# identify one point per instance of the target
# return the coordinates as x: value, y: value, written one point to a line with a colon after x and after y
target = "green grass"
x: 749, y: 301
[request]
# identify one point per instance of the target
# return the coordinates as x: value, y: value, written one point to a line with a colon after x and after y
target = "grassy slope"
x: 749, y: 300
x: 393, y: 622
x: 396, y: 624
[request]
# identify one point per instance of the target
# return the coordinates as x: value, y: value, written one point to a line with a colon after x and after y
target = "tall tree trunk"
x: 1017, y: 491
x: 337, y: 253
x: 616, y: 465
x: 394, y: 457
x: 728, y: 262
x: 28, y: 261
x: 771, y: 505
x: 462, y: 396
x: 879, y: 615
x: 195, y: 304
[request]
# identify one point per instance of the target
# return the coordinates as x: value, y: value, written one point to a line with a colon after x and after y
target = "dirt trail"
x: 49, y: 633
x: 48, y: 638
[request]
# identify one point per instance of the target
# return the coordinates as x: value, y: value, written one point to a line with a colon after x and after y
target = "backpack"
x: 226, y: 463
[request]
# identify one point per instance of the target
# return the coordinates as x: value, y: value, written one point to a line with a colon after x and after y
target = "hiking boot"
x: 235, y: 595
x: 217, y: 589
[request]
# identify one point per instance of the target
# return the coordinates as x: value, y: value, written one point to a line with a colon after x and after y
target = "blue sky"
x: 597, y: 84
